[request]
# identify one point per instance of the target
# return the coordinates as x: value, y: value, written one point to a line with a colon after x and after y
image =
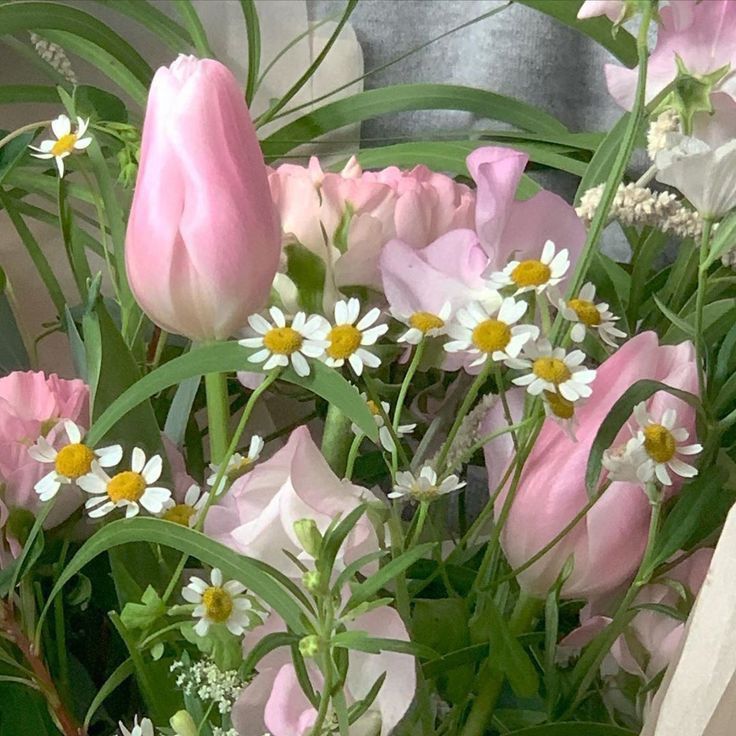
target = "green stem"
x: 410, y: 371
x: 30, y: 126
x: 218, y: 413
x: 372, y: 392
x: 353, y: 454
x: 418, y: 526
x: 700, y: 349
x: 504, y: 402
x: 337, y: 439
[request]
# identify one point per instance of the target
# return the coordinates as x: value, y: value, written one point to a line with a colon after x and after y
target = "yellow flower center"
x: 180, y: 514
x: 560, y: 406
x: 426, y: 321
x: 74, y: 461
x: 551, y: 369
x: 586, y: 311
x: 531, y: 273
x: 283, y: 340
x: 217, y: 603
x: 491, y: 335
x: 373, y: 407
x: 65, y: 144
x: 344, y: 341
x: 239, y: 469
x: 126, y: 486
x: 659, y: 443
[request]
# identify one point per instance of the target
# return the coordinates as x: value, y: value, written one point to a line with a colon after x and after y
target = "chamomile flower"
x: 534, y: 275
x: 66, y: 142
x: 144, y: 728
x: 238, y: 464
x: 423, y: 324
x: 660, y: 443
x: 384, y: 434
x: 623, y: 462
x: 553, y: 370
x: 129, y: 489
x: 562, y: 411
x: 218, y: 603
x: 187, y: 512
x: 585, y: 313
x: 71, y: 462
x: 281, y: 343
x: 490, y: 331
x: 424, y: 487
x: 348, y: 338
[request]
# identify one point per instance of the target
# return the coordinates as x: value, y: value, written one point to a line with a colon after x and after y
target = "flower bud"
x: 310, y: 645
x: 309, y: 536
x: 312, y: 581
x: 183, y: 724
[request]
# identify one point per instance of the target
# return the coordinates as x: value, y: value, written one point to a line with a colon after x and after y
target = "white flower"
x: 281, y: 343
x: 584, y: 312
x: 347, y: 340
x: 238, y: 464
x: 71, y: 462
x: 423, y: 324
x: 144, y: 728
x: 129, y: 489
x: 562, y: 411
x: 553, y: 370
x: 218, y: 603
x: 66, y: 142
x: 384, y: 435
x: 485, y: 331
x: 534, y: 275
x: 185, y: 513
x: 423, y: 487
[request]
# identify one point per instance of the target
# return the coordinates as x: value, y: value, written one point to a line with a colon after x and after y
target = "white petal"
x: 202, y: 627
x: 370, y: 336
x: 233, y: 587
x: 92, y: 483
x: 154, y: 498
x: 260, y: 356
x: 48, y: 486
x: 353, y: 310
x: 61, y: 126
x: 152, y: 469
x: 662, y: 475
x: 341, y: 313
x: 259, y: 323
x: 577, y: 333
x: 137, y: 460
x: 369, y: 318
x: 277, y: 316
x: 216, y: 577
x: 190, y: 596
x: 356, y: 363
x: 82, y: 143
x: 107, y: 457
x: 682, y: 469
x: 131, y: 508
x: 301, y: 367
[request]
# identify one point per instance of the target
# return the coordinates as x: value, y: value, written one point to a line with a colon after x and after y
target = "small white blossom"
x: 207, y: 682
x: 585, y: 313
x: 532, y: 274
x: 384, y: 434
x: 423, y: 324
x: 424, y: 487
x: 238, y: 465
x: 144, y: 728
x: 218, y: 603
x: 66, y: 142
x: 186, y: 513
x: 658, y: 135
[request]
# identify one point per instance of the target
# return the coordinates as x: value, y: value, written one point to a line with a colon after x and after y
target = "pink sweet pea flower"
x: 203, y: 239
x: 608, y: 543
x: 256, y: 517
x: 274, y: 701
x: 612, y: 9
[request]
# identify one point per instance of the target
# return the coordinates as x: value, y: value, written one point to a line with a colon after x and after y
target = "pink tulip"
x: 607, y: 545
x: 203, y: 240
x: 702, y: 34
x: 257, y: 515
x: 274, y: 701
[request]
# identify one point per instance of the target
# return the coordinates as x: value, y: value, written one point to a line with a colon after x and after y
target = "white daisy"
x: 347, y: 340
x: 562, y: 411
x: 144, y: 728
x: 660, y: 443
x: 66, y: 142
x: 534, y: 275
x: 218, y: 603
x: 424, y: 487
x: 71, y: 462
x: 282, y: 343
x: 623, y: 462
x: 485, y: 331
x: 384, y: 434
x: 185, y: 513
x: 129, y: 489
x: 238, y: 464
x: 585, y: 313
x: 423, y: 324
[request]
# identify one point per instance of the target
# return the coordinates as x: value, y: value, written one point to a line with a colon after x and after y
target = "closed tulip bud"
x: 183, y: 724
x: 203, y: 239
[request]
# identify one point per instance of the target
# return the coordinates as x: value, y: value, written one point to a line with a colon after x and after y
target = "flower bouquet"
x: 361, y: 448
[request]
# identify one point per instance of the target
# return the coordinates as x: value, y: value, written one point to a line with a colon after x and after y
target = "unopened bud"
x: 183, y: 724
x: 309, y: 646
x: 309, y: 536
x: 312, y: 581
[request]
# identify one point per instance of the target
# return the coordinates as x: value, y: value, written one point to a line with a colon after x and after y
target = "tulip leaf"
x: 195, y: 28
x: 619, y: 414
x: 253, y: 35
x: 13, y: 354
x: 12, y: 94
x: 226, y: 357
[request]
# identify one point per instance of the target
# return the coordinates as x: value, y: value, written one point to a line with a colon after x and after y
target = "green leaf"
x: 227, y: 357
x: 97, y: 104
x: 265, y: 646
x: 180, y: 409
x: 12, y: 94
x: 121, y: 673
x: 622, y: 45
x: 222, y: 647
x: 195, y: 28
x: 307, y: 270
x: 612, y: 283
x: 576, y: 728
x: 23, y: 712
x: 11, y: 153
x: 144, y: 614
x: 723, y: 239
x: 684, y: 326
x: 13, y: 354
x: 253, y: 34
x: 360, y: 641
x: 403, y: 97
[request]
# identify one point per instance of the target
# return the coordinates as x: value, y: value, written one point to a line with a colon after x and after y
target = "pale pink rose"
x: 275, y: 703
x: 256, y: 517
x: 203, y: 239
x: 607, y: 545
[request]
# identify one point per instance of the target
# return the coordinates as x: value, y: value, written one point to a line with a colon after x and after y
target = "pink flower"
x: 274, y: 701
x: 256, y: 517
x: 612, y: 9
x: 203, y: 242
x: 702, y: 34
x: 608, y: 543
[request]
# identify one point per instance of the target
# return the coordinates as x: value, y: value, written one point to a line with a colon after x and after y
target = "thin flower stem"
x: 218, y: 413
x: 418, y: 526
x: 24, y: 129
x: 410, y: 371
x: 370, y: 388
x: 483, y: 441
x: 700, y: 350
x: 353, y: 455
x: 506, y: 408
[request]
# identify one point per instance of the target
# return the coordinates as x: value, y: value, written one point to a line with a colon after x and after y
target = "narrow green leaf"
x: 13, y: 353
x: 121, y: 673
x: 12, y: 153
x: 12, y: 94
x: 253, y: 35
x: 180, y: 409
x: 683, y: 325
x: 195, y: 28
x: 360, y: 641
x: 723, y: 238
x: 265, y: 646
x: 576, y: 728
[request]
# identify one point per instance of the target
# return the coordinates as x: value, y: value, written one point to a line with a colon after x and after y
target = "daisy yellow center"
x: 426, y: 321
x: 424, y: 494
x: 283, y: 340
x: 239, y: 469
x: 344, y: 341
x: 531, y: 273
x: 65, y: 144
x: 560, y: 406
x: 218, y: 604
x: 74, y: 461
x: 659, y: 443
x: 491, y: 335
x: 126, y: 486
x: 180, y: 514
x: 551, y: 369
x: 373, y: 407
x: 586, y: 311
